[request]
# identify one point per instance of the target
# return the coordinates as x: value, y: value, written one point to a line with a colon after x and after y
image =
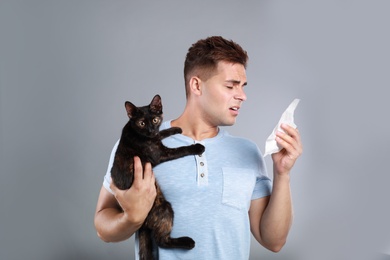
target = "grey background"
x: 66, y: 68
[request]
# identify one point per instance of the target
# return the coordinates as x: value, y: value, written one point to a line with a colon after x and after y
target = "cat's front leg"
x: 196, y: 149
x: 170, y: 131
x: 175, y: 153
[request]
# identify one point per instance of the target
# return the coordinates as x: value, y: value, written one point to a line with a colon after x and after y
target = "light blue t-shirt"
x: 211, y: 195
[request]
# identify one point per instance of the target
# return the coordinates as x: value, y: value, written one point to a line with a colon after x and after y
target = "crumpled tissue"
x: 271, y: 146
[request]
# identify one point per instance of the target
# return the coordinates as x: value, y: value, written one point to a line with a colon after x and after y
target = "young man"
x: 224, y: 194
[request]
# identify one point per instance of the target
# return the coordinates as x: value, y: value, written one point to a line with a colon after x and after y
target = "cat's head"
x: 146, y: 120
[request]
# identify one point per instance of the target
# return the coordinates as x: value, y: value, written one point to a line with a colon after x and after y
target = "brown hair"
x: 203, y: 56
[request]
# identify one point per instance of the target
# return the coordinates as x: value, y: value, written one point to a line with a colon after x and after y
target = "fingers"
x: 150, y: 180
x: 144, y: 181
x: 290, y: 140
x: 137, y: 201
x: 291, y: 131
x: 141, y: 174
x: 138, y: 171
x: 148, y: 173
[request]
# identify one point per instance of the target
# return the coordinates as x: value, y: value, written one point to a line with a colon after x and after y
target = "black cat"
x: 141, y: 137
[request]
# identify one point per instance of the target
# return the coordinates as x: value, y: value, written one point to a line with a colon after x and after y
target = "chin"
x: 228, y: 123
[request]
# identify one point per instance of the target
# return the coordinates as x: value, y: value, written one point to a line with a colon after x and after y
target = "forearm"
x: 112, y: 225
x: 277, y: 218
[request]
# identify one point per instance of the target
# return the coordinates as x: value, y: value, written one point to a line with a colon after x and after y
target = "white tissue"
x: 271, y: 146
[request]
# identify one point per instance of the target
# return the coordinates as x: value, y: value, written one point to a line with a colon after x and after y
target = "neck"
x: 194, y: 126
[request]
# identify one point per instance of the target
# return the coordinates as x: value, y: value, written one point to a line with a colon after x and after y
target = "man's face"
x: 223, y: 94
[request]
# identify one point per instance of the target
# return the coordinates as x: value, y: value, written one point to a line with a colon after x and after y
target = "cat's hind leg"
x: 145, y: 244
x: 180, y: 242
x: 160, y: 221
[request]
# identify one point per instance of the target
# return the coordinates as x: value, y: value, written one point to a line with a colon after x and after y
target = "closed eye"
x: 231, y: 83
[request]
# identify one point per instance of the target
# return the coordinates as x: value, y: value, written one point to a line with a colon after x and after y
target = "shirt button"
x: 202, y: 175
x: 201, y: 163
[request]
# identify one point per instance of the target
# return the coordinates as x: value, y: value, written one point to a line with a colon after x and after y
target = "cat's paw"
x: 177, y: 130
x: 199, y: 149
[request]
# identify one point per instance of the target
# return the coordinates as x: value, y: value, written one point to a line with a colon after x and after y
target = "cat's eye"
x: 141, y: 123
x: 156, y: 120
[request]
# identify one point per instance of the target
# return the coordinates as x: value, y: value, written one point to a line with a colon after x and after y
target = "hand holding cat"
x: 137, y: 201
x: 285, y: 159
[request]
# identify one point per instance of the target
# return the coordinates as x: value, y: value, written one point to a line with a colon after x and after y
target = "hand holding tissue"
x: 271, y: 146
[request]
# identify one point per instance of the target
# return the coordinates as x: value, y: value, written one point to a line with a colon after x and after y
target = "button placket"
x: 202, y: 176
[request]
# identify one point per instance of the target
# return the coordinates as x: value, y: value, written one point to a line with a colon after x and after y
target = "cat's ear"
x: 130, y: 108
x: 156, y: 105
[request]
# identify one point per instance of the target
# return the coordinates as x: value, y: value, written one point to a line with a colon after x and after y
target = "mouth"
x: 234, y: 109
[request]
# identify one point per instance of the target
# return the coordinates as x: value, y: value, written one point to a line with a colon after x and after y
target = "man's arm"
x: 271, y: 217
x: 118, y: 216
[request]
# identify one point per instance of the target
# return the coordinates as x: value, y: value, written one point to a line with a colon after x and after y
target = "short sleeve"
x: 107, y: 176
x: 263, y: 185
x: 262, y: 188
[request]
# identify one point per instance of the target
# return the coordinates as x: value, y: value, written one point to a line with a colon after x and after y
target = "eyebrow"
x: 235, y: 82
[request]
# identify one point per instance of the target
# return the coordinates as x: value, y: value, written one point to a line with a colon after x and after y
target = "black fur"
x: 141, y: 137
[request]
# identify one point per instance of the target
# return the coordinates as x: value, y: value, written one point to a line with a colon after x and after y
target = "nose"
x: 240, y: 94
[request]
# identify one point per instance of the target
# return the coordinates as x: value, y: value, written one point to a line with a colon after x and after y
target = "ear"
x: 130, y: 108
x: 156, y: 105
x: 195, y: 85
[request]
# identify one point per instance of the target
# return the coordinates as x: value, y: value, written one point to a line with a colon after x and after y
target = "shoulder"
x: 236, y: 146
x: 238, y: 141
